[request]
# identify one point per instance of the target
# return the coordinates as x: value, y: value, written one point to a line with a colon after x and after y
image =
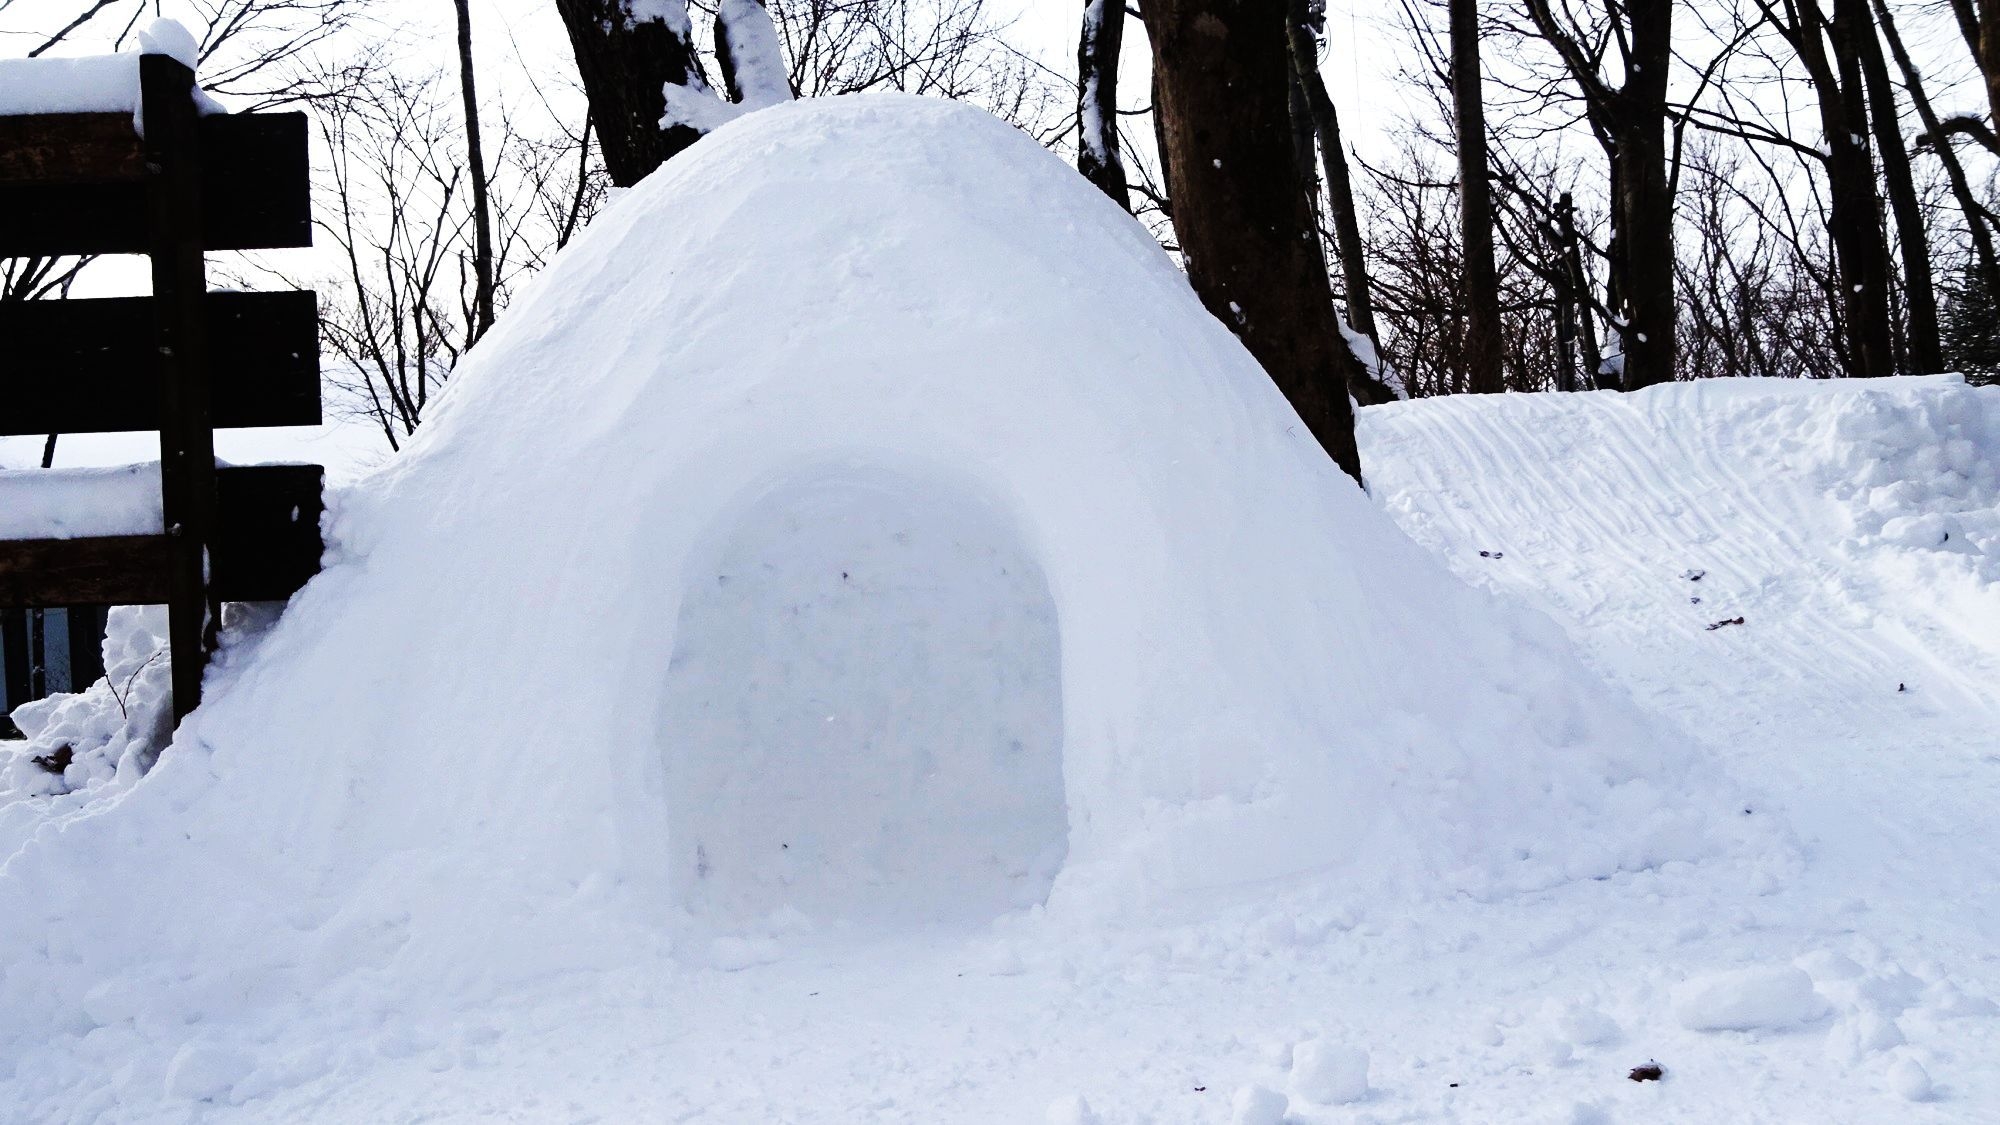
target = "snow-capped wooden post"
x: 187, y: 443
x: 181, y: 362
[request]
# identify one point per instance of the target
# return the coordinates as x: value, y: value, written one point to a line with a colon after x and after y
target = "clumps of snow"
x: 1329, y: 1073
x: 746, y: 42
x: 204, y: 1072
x: 110, y: 731
x: 1760, y: 998
x: 1915, y: 474
x: 1258, y: 1105
x: 1909, y: 1079
x: 169, y: 38
x: 1862, y: 1033
x: 673, y: 13
x: 756, y: 65
x: 1072, y: 1109
x: 1584, y: 1026
x: 696, y: 108
x: 1371, y: 360
x: 96, y: 83
x: 79, y: 503
x: 103, y: 738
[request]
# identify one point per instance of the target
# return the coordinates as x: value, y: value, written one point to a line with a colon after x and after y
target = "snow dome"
x: 863, y: 523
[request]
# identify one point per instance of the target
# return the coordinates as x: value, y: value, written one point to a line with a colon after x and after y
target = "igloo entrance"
x: 863, y: 715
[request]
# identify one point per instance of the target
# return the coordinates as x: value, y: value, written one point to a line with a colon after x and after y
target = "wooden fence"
x: 183, y: 361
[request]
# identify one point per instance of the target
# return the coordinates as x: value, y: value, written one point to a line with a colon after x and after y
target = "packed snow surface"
x: 861, y: 532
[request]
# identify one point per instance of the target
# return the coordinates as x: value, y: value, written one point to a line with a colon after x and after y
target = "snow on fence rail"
x: 182, y: 361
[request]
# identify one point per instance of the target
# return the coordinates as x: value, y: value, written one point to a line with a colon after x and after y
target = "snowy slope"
x: 1329, y: 821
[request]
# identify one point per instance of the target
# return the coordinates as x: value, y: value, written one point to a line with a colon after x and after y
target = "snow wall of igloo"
x: 862, y: 717
x: 445, y: 765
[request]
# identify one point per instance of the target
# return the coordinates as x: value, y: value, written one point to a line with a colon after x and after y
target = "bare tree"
x: 1829, y: 52
x: 1307, y: 20
x: 1629, y: 122
x: 1475, y: 204
x: 1979, y: 220
x: 1912, y: 237
x: 482, y: 214
x: 396, y: 205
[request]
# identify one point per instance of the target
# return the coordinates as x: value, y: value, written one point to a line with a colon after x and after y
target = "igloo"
x: 862, y: 522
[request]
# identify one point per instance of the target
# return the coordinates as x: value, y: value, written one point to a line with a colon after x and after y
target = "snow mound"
x: 861, y: 525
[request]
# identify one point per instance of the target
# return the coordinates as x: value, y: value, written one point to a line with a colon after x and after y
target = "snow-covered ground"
x: 816, y: 449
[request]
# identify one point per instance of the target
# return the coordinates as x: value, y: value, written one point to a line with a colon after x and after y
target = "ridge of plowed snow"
x: 1855, y: 526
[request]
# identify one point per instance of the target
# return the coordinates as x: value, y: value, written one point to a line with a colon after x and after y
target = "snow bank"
x: 865, y: 473
x: 87, y: 84
x: 79, y: 503
x: 95, y: 83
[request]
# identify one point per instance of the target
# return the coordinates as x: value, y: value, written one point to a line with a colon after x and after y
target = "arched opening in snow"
x: 863, y: 715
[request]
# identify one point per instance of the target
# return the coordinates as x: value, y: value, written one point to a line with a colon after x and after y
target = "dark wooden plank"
x: 13, y: 660
x: 267, y: 541
x: 86, y: 645
x: 70, y: 148
x: 267, y: 546
x: 180, y: 327
x: 89, y: 366
x: 110, y: 570
x: 256, y: 195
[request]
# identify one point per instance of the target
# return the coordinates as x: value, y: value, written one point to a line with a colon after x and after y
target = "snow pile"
x: 110, y: 733
x: 861, y: 524
x: 111, y: 730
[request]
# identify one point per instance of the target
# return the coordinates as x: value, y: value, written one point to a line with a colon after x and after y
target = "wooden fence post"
x: 187, y: 442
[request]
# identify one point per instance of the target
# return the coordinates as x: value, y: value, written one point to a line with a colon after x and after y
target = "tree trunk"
x: 1098, y: 155
x: 1303, y: 153
x: 1919, y: 291
x: 1989, y: 53
x: 1645, y: 213
x: 626, y: 62
x: 1339, y: 184
x: 1222, y: 72
x: 482, y: 216
x: 1475, y: 206
x: 1645, y: 203
x: 1572, y: 299
x: 1961, y: 186
x: 1854, y: 219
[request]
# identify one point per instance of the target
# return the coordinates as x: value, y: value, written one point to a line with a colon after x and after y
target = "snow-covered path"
x: 1812, y: 512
